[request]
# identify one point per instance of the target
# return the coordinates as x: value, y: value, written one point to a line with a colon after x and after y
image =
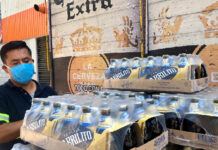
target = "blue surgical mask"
x: 22, y: 73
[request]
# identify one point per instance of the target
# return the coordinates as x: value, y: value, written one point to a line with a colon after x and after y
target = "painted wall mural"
x: 86, y: 34
x: 168, y: 27
x: 83, y: 73
x: 91, y: 27
x: 86, y: 39
x: 124, y: 38
x: 59, y: 44
x: 193, y: 29
x: 209, y: 18
x: 86, y: 73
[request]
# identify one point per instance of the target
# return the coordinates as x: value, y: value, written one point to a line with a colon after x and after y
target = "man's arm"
x: 10, y: 131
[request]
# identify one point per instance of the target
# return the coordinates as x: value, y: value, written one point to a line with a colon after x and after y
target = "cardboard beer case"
x: 205, y: 135
x: 183, y: 86
x: 171, y: 79
x: 108, y: 140
x: 185, y: 74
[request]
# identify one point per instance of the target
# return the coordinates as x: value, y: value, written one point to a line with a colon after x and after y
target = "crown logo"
x: 87, y: 38
x: 210, y: 21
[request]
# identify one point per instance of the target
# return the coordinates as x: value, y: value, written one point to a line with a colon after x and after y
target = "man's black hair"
x: 12, y: 46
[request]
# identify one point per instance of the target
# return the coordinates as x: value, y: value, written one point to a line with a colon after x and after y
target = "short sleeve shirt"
x: 14, y: 101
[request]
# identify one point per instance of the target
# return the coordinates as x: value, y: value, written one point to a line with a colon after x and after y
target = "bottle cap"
x: 86, y: 109
x: 174, y: 98
x: 96, y: 93
x: 194, y: 100
x: 106, y: 112
x: 132, y: 95
x: 56, y: 105
x: 165, y: 56
x: 123, y: 108
x: 150, y: 57
x: 45, y: 102
x: 138, y: 104
x: 71, y: 107
x: 156, y: 96
x: 141, y: 93
x: 183, y: 55
x: 36, y: 101
x: 106, y: 93
x: 150, y: 101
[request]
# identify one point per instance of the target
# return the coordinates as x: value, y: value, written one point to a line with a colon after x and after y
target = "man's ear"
x: 5, y: 69
x: 33, y: 60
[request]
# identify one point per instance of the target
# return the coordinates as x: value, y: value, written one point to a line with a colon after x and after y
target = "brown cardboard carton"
x: 184, y: 86
x: 193, y: 139
x: 49, y: 143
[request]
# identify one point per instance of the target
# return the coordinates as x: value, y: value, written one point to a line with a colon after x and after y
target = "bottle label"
x: 80, y: 137
x: 158, y: 73
x: 124, y: 116
x: 139, y: 113
x: 118, y: 74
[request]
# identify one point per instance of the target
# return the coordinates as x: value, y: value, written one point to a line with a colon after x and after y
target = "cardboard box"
x: 157, y: 143
x: 195, y: 140
x: 184, y: 86
x: 49, y: 143
x: 43, y: 141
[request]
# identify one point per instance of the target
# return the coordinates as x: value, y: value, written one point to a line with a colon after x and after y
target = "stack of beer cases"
x: 191, y: 119
x: 114, y: 119
x: 109, y: 119
x: 183, y: 73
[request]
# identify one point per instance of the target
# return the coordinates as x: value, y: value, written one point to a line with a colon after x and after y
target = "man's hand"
x: 10, y: 131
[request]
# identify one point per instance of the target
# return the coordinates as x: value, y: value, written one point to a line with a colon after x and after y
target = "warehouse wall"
x: 190, y: 26
x: 86, y: 34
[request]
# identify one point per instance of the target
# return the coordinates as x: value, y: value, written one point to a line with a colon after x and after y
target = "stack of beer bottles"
x: 109, y: 119
x: 190, y: 118
x: 183, y: 73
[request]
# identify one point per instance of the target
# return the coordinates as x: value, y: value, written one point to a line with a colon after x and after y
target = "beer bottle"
x: 183, y: 61
x: 152, y: 129
x: 105, y: 121
x: 215, y: 102
x: 33, y: 112
x: 138, y: 112
x: 165, y: 61
x: 87, y: 119
x: 189, y: 121
x: 68, y: 123
x: 125, y: 63
x: 130, y: 137
x: 150, y: 62
x: 135, y: 63
x: 172, y: 117
x: 53, y: 119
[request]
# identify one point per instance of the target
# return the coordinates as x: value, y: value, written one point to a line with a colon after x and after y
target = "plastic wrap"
x: 192, y: 119
x: 103, y: 120
x: 181, y: 67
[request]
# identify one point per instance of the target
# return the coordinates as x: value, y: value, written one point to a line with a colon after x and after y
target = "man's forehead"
x: 20, y: 53
x: 24, y: 58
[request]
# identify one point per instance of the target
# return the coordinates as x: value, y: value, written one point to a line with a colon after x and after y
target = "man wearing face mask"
x: 17, y: 93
